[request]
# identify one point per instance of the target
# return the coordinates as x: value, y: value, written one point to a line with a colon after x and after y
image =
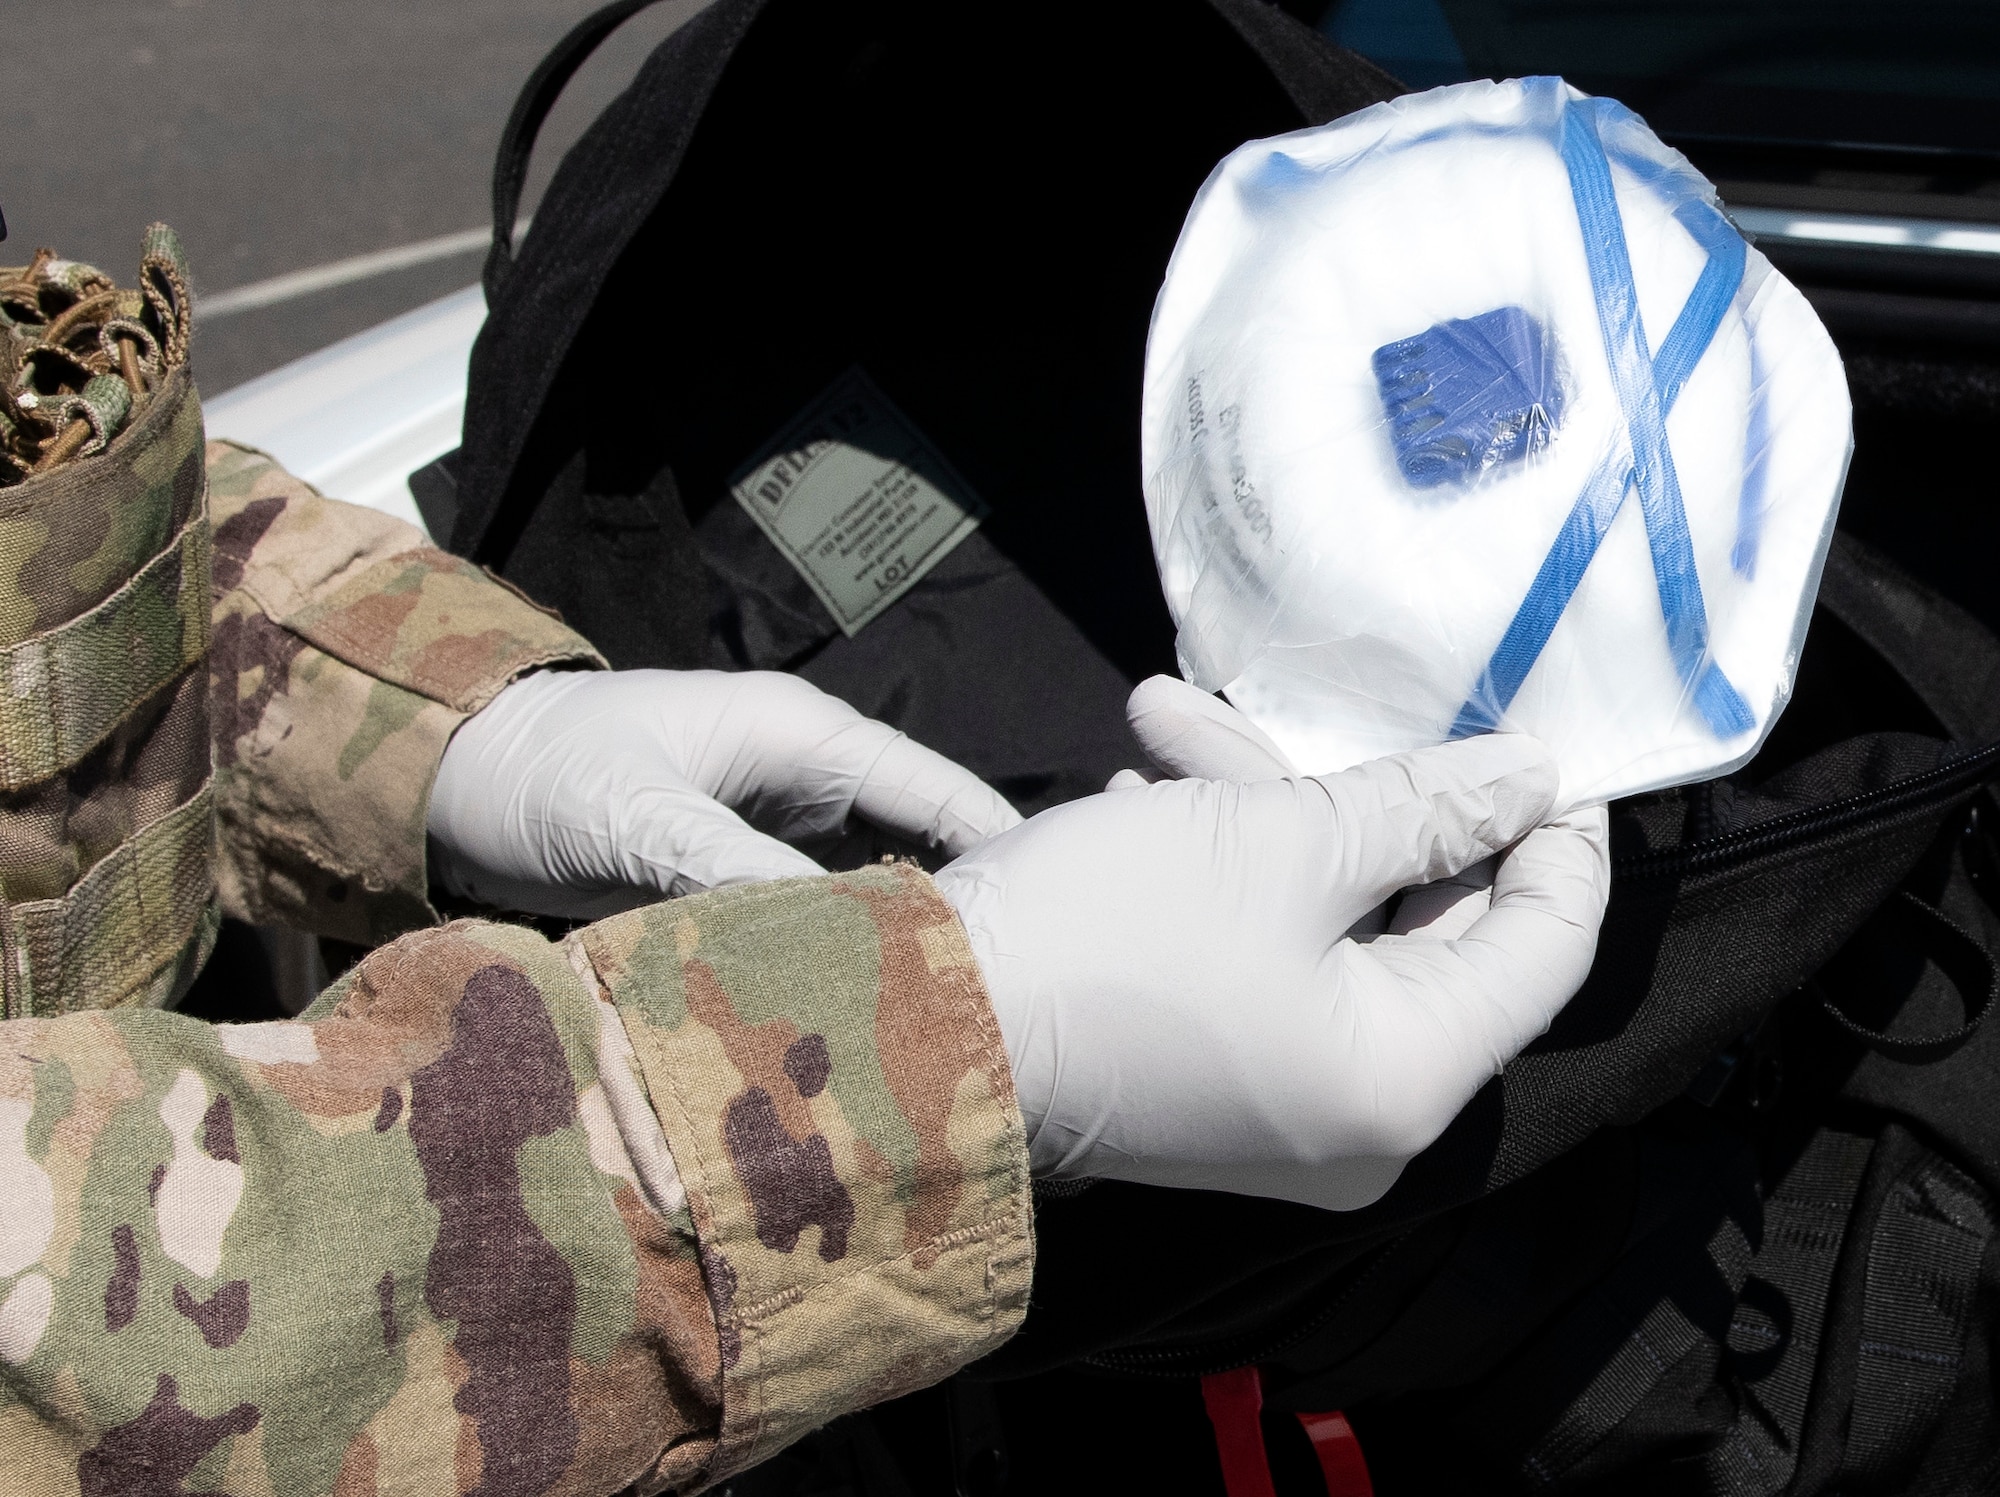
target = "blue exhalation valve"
x: 1467, y: 394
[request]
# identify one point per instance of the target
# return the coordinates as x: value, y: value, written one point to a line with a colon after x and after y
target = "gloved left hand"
x: 579, y: 793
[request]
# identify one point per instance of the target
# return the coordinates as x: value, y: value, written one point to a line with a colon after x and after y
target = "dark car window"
x: 1921, y: 74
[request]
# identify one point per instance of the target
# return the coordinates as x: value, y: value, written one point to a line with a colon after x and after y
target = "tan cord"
x: 74, y: 317
x: 128, y: 365
x: 64, y: 447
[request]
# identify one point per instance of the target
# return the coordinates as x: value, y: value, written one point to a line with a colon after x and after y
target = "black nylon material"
x: 1582, y: 1279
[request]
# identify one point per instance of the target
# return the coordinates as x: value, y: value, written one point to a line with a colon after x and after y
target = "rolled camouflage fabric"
x: 105, y: 805
x: 500, y: 1215
x: 833, y: 1089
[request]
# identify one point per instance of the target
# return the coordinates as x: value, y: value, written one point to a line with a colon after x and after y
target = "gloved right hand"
x: 1182, y: 1006
x: 581, y: 793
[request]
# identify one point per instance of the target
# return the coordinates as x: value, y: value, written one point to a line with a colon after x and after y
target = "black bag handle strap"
x: 1946, y: 656
x: 531, y: 110
x: 1962, y: 958
x: 1268, y: 31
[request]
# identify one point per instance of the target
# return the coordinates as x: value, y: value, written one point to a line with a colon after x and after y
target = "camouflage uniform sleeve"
x: 345, y: 653
x: 498, y: 1215
x: 831, y: 1081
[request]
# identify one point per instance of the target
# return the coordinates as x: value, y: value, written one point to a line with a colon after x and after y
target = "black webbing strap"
x: 1889, y: 1358
x: 1716, y: 1295
x: 1922, y: 1280
x: 1895, y: 1330
x: 531, y: 109
x: 1775, y: 1334
x: 1916, y: 925
x: 1662, y: 1338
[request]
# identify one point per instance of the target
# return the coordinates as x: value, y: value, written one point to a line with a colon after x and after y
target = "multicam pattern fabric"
x: 103, y: 588
x: 346, y: 651
x: 497, y: 1216
x: 75, y: 536
x: 105, y: 880
x: 433, y: 1238
x: 832, y: 1084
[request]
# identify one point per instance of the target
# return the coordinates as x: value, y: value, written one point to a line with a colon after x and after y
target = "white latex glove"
x: 1189, y: 734
x: 581, y: 793
x: 1180, y: 1002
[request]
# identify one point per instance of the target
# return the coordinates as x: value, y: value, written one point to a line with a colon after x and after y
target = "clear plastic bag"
x: 1471, y: 411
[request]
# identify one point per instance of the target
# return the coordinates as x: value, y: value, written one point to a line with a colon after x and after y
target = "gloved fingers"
x: 1190, y: 734
x: 1446, y: 909
x: 1417, y: 817
x: 1132, y: 779
x: 776, y: 749
x: 1550, y: 892
x: 1342, y: 1184
x: 1434, y: 1020
x: 1499, y: 985
x: 1348, y: 1185
x: 676, y: 842
x: 797, y: 762
x: 919, y: 794
x: 1563, y: 867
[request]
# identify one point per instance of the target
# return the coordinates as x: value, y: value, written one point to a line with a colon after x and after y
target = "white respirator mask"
x: 1472, y: 412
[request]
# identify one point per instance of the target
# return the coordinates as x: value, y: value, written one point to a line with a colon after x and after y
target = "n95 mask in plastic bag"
x: 1471, y: 411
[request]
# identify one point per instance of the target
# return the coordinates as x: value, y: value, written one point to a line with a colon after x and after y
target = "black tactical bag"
x: 1727, y: 1228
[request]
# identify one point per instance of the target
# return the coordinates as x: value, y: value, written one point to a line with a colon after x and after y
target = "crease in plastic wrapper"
x: 1472, y: 412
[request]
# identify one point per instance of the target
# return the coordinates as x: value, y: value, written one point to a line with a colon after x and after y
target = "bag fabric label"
x: 857, y: 499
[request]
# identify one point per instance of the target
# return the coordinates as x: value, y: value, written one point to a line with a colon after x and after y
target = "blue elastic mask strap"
x: 1555, y: 584
x: 1653, y: 473
x: 1646, y: 391
x: 1701, y: 316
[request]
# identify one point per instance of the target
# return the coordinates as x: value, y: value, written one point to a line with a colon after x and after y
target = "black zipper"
x: 1783, y: 832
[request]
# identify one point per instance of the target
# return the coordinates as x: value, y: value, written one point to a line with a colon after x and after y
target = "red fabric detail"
x: 1339, y: 1452
x: 1234, y: 1400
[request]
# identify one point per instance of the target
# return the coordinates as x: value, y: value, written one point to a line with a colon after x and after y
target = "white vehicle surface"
x: 357, y: 418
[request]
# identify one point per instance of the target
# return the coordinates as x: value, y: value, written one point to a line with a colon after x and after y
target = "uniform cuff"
x: 346, y: 652
x: 833, y: 1089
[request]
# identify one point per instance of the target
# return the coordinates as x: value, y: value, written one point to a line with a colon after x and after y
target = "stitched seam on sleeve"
x: 942, y: 1242
x: 696, y: 1184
